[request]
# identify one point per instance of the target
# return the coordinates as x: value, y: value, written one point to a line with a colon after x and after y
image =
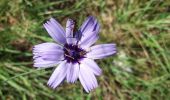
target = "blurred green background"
x: 139, y: 71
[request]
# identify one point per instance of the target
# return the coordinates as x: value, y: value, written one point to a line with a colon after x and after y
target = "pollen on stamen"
x: 73, y: 53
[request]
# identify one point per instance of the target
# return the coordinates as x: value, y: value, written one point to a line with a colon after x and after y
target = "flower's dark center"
x: 73, y: 53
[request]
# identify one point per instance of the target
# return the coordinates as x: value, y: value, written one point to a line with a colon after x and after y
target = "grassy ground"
x: 139, y: 71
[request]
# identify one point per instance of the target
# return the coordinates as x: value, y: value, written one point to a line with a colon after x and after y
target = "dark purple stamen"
x: 73, y: 53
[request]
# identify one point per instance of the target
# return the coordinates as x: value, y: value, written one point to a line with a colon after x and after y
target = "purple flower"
x: 74, y: 53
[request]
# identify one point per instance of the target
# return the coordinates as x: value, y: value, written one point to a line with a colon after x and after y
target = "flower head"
x: 73, y: 53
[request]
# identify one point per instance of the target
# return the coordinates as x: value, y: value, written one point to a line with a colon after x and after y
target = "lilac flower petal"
x: 87, y: 22
x: 40, y: 63
x: 55, y: 30
x: 87, y: 78
x: 69, y: 32
x: 87, y: 41
x: 47, y: 46
x: 89, y: 31
x: 78, y: 35
x: 58, y: 75
x: 89, y: 25
x: 72, y: 72
x: 47, y: 54
x: 101, y: 51
x: 92, y: 65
